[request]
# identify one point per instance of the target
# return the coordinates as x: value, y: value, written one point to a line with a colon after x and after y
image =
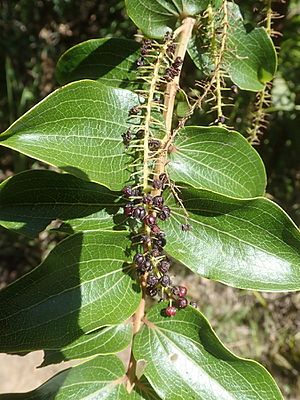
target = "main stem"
x: 183, y: 33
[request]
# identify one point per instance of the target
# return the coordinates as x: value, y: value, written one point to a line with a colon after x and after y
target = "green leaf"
x: 78, y: 129
x: 142, y: 391
x: 157, y: 17
x: 186, y: 360
x: 82, y: 285
x: 249, y: 244
x: 110, y: 61
x: 250, y: 57
x: 199, y: 52
x: 108, y: 340
x: 219, y: 160
x: 99, y: 378
x: 30, y: 200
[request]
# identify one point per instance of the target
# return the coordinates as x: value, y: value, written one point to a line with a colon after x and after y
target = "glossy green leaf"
x: 82, y: 285
x: 157, y: 17
x: 30, y: 200
x: 99, y: 378
x: 200, y: 54
x: 219, y: 160
x: 250, y: 57
x: 249, y: 244
x: 78, y: 129
x: 110, y: 61
x: 185, y: 360
x: 108, y: 340
x: 143, y: 391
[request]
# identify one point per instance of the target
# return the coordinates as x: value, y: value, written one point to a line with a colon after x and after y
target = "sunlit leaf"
x: 110, y: 61
x: 186, y: 360
x: 249, y: 244
x: 78, y: 128
x: 219, y: 160
x: 83, y: 284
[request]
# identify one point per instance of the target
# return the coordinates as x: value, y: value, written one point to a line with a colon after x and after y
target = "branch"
x: 184, y: 33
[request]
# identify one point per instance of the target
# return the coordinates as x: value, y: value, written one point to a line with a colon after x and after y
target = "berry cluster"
x: 147, y: 207
x: 145, y: 49
x: 151, y: 262
x: 173, y: 70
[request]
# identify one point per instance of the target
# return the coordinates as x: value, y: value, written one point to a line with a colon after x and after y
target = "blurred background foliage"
x: 34, y: 33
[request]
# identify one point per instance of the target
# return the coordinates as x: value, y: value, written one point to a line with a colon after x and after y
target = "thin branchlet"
x: 263, y: 98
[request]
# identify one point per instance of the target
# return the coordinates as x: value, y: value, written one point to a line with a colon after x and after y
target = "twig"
x: 184, y: 33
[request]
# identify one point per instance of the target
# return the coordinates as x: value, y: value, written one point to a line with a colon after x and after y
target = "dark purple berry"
x: 170, y: 311
x: 150, y: 220
x: 168, y: 36
x: 148, y: 199
x: 161, y: 240
x: 126, y: 137
x: 140, y: 134
x: 128, y: 208
x: 139, y: 212
x: 136, y: 192
x: 164, y: 266
x: 165, y: 213
x: 148, y: 265
x: 146, y: 240
x: 134, y: 110
x: 177, y: 62
x: 140, y: 62
x: 171, y: 49
x: 154, y: 144
x: 220, y: 120
x: 158, y: 201
x: 152, y: 291
x: 139, y: 259
x: 155, y: 252
x: 165, y: 280
x: 185, y: 227
x: 141, y: 269
x: 161, y: 235
x: 163, y: 178
x: 127, y: 191
x: 182, y: 302
x: 156, y: 184
x: 171, y: 72
x: 234, y: 89
x: 152, y: 280
x: 181, y: 291
x: 155, y: 229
